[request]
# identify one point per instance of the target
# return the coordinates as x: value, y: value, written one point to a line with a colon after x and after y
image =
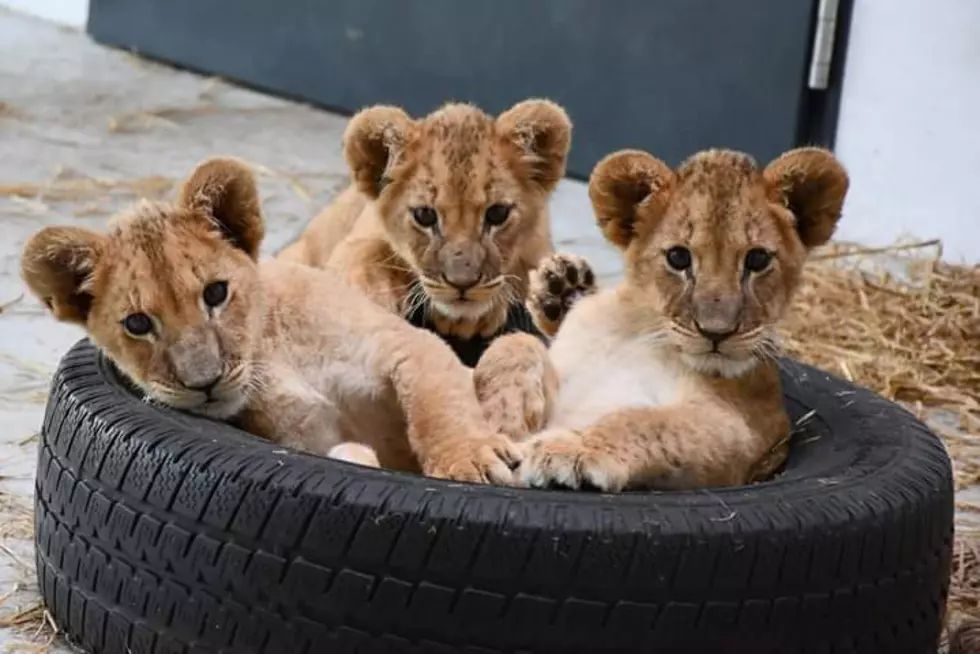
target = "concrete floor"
x: 93, y: 129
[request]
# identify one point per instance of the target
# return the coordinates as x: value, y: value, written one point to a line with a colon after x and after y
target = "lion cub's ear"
x: 374, y: 141
x: 56, y: 265
x: 225, y: 190
x: 543, y: 132
x: 629, y: 190
x: 812, y: 184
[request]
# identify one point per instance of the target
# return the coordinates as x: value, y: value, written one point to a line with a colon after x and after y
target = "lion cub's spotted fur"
x: 461, y: 163
x: 668, y: 380
x: 291, y: 353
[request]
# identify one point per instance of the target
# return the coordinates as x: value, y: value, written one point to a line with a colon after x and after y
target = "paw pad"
x: 559, y: 282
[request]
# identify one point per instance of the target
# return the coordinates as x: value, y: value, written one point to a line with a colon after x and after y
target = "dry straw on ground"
x: 903, y: 323
x: 68, y: 186
x: 964, y: 595
x: 16, y: 518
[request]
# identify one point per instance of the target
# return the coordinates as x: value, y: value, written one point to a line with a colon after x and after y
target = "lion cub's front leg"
x: 670, y: 447
x: 554, y: 286
x: 516, y: 384
x: 446, y: 428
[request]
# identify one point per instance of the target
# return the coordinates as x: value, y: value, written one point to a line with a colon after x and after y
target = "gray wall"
x: 669, y: 76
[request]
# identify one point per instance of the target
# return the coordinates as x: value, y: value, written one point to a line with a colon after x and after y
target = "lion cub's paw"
x: 561, y: 458
x: 556, y: 284
x: 486, y: 460
x: 355, y: 453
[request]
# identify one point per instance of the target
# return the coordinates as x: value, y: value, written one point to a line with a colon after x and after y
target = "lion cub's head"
x: 714, y: 250
x: 463, y: 196
x: 169, y: 293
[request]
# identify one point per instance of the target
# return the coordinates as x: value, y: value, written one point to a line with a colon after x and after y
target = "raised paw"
x: 563, y: 459
x: 558, y: 282
x: 486, y: 460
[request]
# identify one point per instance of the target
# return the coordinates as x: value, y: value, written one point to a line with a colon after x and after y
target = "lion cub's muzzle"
x: 197, y: 362
x: 462, y: 265
x: 461, y: 282
x: 717, y: 318
x: 716, y: 338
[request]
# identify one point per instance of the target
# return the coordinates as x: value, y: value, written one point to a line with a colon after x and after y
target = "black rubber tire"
x: 160, y: 532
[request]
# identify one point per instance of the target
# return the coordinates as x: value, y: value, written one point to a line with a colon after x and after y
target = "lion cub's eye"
x: 215, y: 294
x: 757, y: 260
x: 138, y: 324
x: 425, y: 216
x: 679, y: 258
x: 497, y: 214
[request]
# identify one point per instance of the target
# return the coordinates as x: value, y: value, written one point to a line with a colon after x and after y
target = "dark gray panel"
x: 669, y: 76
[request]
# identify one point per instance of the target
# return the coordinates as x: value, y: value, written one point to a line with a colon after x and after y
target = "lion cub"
x: 446, y: 216
x: 669, y: 379
x: 175, y: 296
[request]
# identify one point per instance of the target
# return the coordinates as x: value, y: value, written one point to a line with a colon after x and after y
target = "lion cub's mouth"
x: 223, y: 403
x: 464, y: 304
x: 732, y: 357
x: 222, y: 407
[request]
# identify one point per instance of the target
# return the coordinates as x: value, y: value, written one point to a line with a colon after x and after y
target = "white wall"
x: 66, y: 12
x: 909, y: 129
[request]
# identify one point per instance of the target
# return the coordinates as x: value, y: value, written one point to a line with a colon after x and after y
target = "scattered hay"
x: 35, y: 624
x: 4, y: 306
x: 963, y: 617
x: 8, y: 110
x: 172, y: 117
x: 21, y: 610
x: 16, y: 520
x: 964, y: 592
x: 89, y: 210
x: 66, y: 186
x: 32, y: 615
x: 905, y: 325
x: 167, y: 117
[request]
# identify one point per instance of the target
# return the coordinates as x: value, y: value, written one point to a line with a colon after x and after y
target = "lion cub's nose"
x: 461, y: 265
x: 461, y: 284
x: 716, y: 336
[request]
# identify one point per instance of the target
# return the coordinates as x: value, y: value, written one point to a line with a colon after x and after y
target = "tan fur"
x: 651, y: 393
x: 460, y: 162
x: 516, y: 385
x: 292, y: 354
